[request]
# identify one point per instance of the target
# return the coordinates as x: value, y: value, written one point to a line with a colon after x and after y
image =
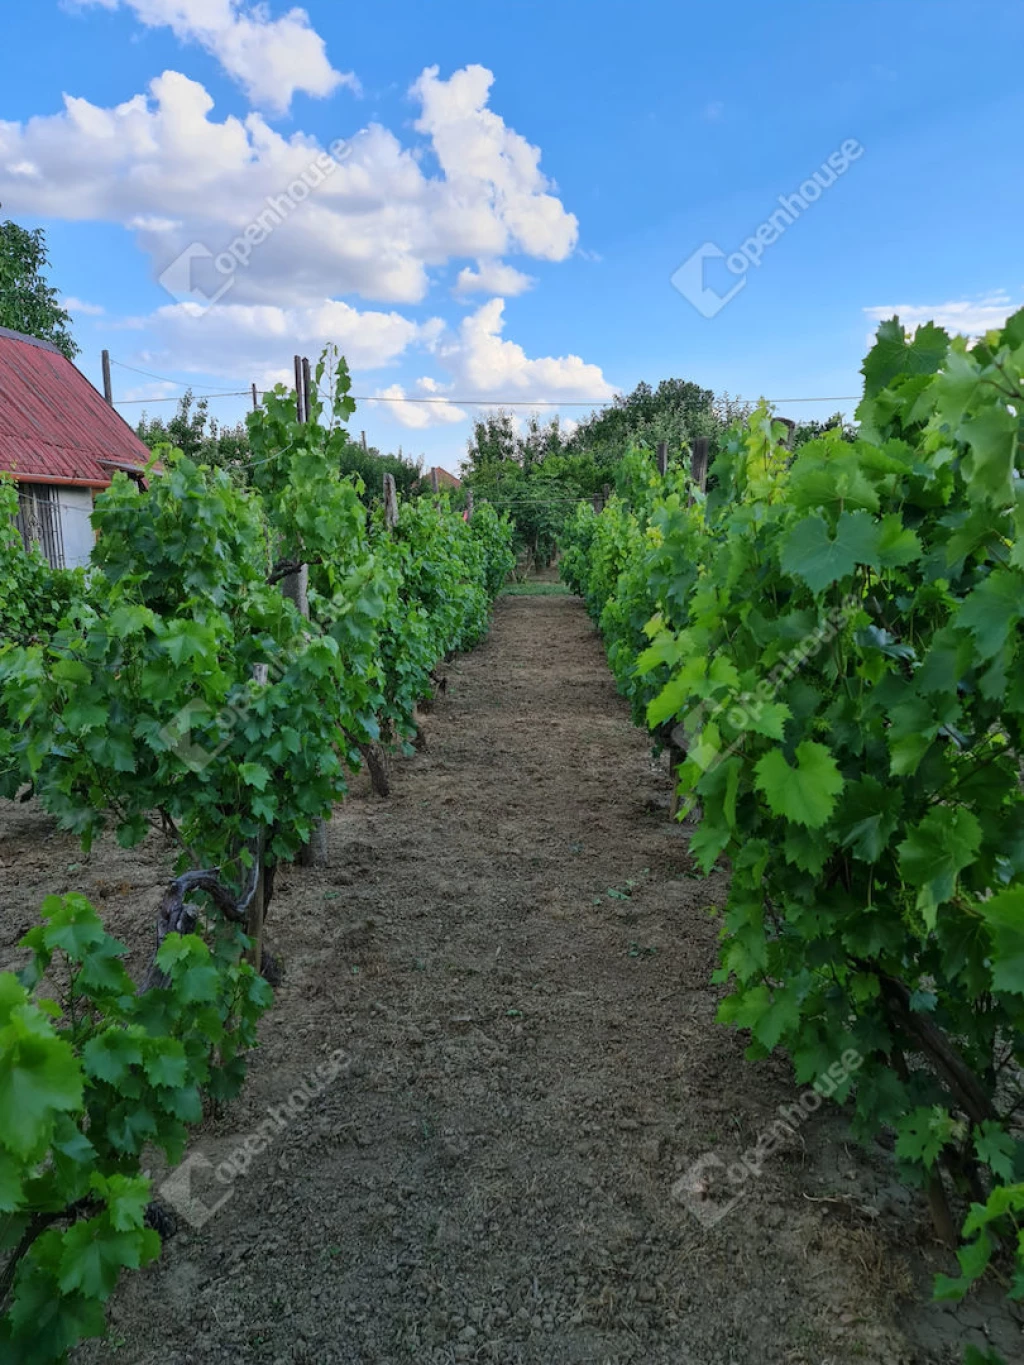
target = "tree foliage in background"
x: 538, y: 472
x: 27, y: 302
x: 198, y: 436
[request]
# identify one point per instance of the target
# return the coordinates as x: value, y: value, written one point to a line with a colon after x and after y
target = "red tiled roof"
x: 54, y: 426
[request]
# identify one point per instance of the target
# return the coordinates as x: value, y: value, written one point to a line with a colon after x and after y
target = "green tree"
x: 27, y: 302
x: 198, y: 435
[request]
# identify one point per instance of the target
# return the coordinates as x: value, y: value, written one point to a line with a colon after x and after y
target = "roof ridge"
x: 12, y: 335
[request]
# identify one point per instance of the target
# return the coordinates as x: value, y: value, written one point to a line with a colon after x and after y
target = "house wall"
x: 75, y: 508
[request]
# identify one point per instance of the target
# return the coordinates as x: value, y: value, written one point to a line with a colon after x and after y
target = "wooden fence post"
x: 254, y: 919
x: 699, y: 462
x: 108, y: 390
x: 299, y: 414
x: 662, y: 458
x: 390, y: 502
x: 255, y: 399
x: 433, y: 480
x: 306, y: 387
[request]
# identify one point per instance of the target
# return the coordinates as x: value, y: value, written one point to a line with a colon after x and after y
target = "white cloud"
x: 381, y: 224
x: 475, y: 148
x: 419, y: 416
x: 484, y: 365
x: 492, y: 277
x: 73, y: 305
x: 163, y: 167
x: 244, y: 343
x: 970, y: 317
x: 272, y: 59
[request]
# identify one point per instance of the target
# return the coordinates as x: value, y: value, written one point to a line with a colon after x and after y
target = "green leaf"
x: 74, y: 925
x: 1004, y: 916
x: 39, y: 1074
x: 935, y: 850
x: 996, y: 1148
x: 111, y: 1055
x: 993, y: 610
x: 254, y: 775
x: 922, y: 1134
x: 805, y: 794
x: 810, y: 553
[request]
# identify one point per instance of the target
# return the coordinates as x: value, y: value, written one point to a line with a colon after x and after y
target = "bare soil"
x: 514, y: 955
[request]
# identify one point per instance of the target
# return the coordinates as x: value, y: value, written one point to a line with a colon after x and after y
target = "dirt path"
x: 514, y: 956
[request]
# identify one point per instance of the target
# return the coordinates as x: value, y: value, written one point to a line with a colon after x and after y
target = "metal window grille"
x: 38, y: 520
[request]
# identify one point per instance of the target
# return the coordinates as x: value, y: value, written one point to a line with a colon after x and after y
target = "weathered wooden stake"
x: 306, y: 389
x: 362, y: 439
x: 469, y: 504
x: 433, y: 479
x: 662, y: 458
x: 699, y: 462
x: 255, y: 398
x: 299, y: 414
x: 390, y: 501
x: 254, y: 921
x: 108, y: 391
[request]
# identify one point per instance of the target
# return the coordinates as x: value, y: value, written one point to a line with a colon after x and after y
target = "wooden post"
x: 306, y: 389
x: 299, y: 414
x: 296, y: 587
x: 108, y: 391
x: 362, y: 439
x: 390, y: 501
x: 254, y: 920
x: 699, y: 462
x: 597, y: 503
x: 433, y: 479
x: 662, y: 458
x: 255, y: 398
x: 469, y: 504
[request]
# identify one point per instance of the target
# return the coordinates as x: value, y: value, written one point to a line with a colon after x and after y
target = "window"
x: 38, y: 521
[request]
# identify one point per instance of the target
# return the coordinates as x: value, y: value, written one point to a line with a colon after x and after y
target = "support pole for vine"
x: 300, y: 415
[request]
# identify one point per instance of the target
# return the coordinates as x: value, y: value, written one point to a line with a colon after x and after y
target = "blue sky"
x: 517, y: 186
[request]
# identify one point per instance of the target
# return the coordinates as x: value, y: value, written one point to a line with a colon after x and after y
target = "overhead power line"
x: 452, y: 402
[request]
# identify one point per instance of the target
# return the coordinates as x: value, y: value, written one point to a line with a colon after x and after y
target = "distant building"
x: 439, y: 479
x: 62, y: 443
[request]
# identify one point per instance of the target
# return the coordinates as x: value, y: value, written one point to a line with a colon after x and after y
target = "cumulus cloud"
x: 492, y: 277
x: 375, y: 226
x: 483, y: 367
x: 299, y: 227
x: 255, y: 342
x: 474, y: 147
x: 419, y: 415
x: 970, y: 317
x: 271, y: 59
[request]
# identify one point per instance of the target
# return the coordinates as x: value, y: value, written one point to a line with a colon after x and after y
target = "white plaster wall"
x: 75, y: 508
